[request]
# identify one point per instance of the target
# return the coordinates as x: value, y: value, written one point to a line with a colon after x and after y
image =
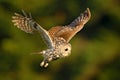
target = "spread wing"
x: 67, y: 32
x: 28, y: 25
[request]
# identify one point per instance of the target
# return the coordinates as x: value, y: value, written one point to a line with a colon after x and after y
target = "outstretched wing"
x: 67, y: 32
x: 28, y: 25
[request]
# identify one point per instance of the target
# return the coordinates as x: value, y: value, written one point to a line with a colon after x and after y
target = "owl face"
x: 64, y: 50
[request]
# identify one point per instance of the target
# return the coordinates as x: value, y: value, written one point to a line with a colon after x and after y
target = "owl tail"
x: 36, y: 53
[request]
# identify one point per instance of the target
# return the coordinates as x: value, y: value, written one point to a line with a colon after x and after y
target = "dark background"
x: 95, y: 49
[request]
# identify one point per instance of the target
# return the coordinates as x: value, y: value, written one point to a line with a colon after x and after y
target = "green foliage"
x: 95, y: 50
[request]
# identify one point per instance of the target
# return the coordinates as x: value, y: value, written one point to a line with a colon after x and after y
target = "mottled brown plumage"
x: 57, y: 38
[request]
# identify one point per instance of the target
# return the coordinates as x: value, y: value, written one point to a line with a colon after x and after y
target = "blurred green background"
x: 95, y: 49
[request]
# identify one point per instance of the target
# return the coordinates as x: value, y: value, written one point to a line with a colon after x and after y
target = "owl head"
x: 64, y: 50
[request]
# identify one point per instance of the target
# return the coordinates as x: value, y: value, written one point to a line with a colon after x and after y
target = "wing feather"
x: 67, y: 32
x: 28, y: 25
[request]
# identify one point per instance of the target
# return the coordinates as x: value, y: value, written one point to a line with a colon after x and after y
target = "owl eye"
x: 66, y: 49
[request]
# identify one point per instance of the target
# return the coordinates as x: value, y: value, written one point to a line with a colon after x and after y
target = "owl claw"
x: 44, y: 64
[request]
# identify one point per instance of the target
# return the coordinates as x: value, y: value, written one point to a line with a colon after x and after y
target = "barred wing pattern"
x: 68, y: 31
x: 28, y: 25
x: 22, y: 23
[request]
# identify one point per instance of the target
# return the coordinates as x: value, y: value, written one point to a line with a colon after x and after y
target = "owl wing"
x: 67, y: 32
x: 28, y: 25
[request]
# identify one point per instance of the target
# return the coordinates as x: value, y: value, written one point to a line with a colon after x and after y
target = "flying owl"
x: 57, y: 38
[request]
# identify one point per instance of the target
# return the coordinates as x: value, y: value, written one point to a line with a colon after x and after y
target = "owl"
x: 57, y: 38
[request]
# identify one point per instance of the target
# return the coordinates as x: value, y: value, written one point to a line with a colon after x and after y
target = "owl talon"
x: 44, y: 64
